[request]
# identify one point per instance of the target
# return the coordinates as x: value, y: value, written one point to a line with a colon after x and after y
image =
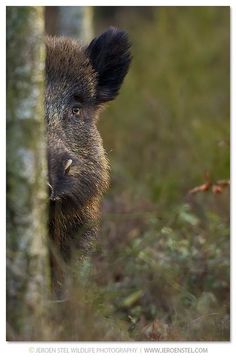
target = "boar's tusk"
x: 68, y: 164
x: 49, y: 185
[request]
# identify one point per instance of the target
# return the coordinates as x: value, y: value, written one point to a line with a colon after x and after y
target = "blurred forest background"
x: 161, y: 270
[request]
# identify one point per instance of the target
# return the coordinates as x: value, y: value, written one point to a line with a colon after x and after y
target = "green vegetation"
x: 166, y: 258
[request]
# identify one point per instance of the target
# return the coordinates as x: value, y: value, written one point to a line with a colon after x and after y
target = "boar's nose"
x: 58, y: 169
x: 54, y: 197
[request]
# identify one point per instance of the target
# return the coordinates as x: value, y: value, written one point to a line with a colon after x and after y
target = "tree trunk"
x: 71, y: 21
x: 76, y: 22
x: 27, y: 255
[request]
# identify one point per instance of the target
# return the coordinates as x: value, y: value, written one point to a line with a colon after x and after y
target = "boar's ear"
x: 110, y: 57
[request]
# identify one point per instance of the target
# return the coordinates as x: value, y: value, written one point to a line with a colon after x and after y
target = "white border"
x: 120, y: 3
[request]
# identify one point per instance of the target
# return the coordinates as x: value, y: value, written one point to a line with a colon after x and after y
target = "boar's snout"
x: 61, y: 170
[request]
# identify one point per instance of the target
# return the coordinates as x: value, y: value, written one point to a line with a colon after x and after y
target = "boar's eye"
x: 76, y: 110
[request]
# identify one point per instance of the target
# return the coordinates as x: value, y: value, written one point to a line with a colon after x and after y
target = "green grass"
x: 166, y: 255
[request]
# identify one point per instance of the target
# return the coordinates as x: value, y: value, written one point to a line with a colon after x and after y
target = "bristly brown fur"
x: 79, y: 81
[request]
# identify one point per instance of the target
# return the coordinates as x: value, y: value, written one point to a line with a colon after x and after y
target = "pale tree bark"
x: 71, y: 21
x: 76, y: 22
x: 27, y: 255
